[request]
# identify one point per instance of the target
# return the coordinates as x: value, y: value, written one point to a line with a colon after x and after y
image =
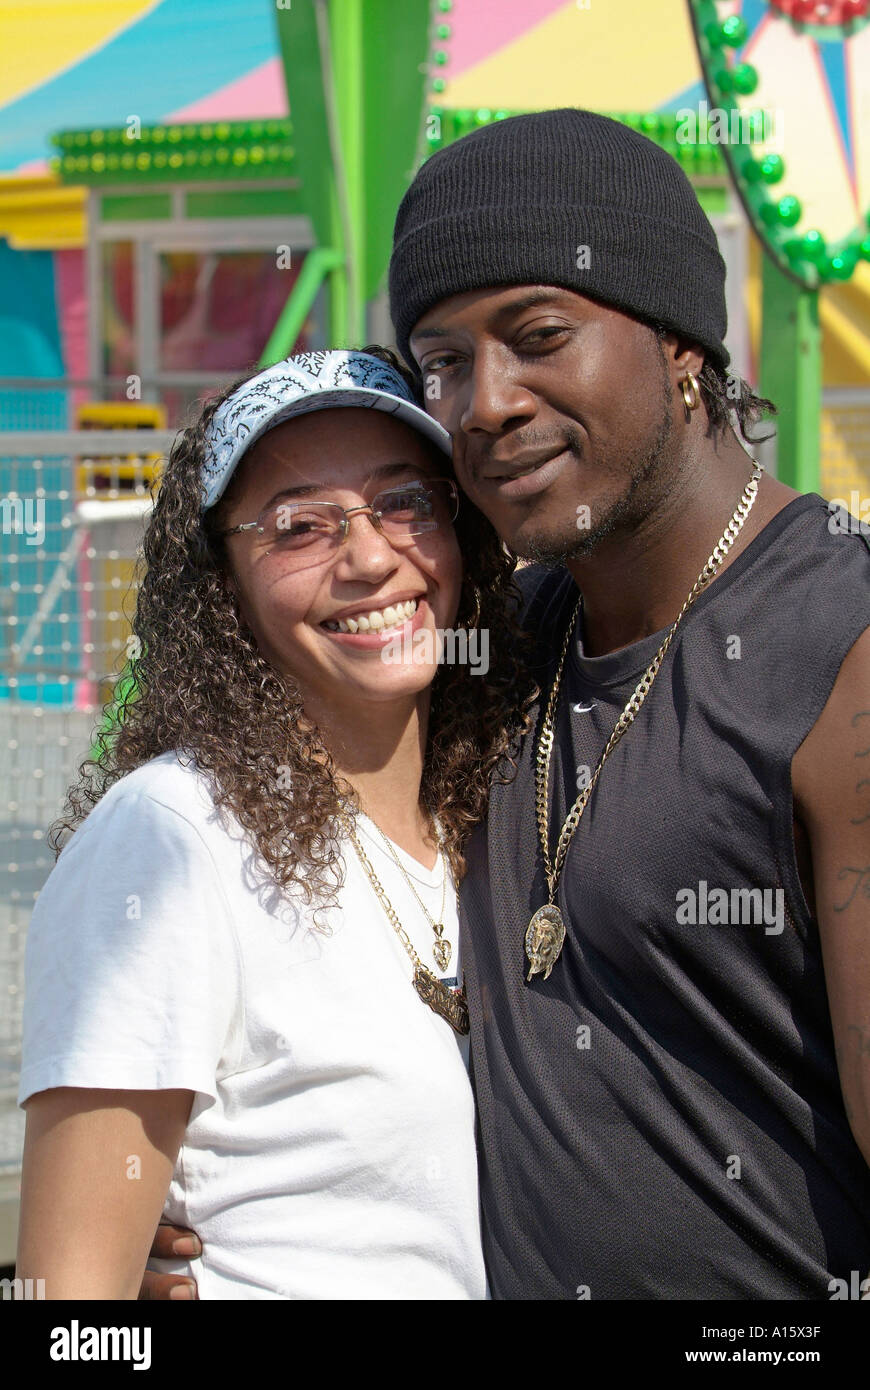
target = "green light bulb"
x: 814, y: 246
x: 789, y: 210
x: 734, y: 31
x: 772, y: 168
x: 840, y: 267
x: 745, y: 79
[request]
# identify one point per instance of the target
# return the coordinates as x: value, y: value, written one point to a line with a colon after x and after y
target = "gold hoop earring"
x: 691, y: 394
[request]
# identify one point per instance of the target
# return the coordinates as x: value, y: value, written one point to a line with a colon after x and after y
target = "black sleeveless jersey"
x: 662, y: 1117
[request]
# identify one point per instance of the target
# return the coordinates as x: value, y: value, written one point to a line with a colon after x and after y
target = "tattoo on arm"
x: 862, y: 753
x: 860, y: 880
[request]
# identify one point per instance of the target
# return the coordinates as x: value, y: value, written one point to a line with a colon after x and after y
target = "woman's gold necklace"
x: 448, y: 1004
x: 545, y: 935
x: 443, y: 949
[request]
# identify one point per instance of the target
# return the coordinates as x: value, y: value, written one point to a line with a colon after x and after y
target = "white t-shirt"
x: 330, y: 1149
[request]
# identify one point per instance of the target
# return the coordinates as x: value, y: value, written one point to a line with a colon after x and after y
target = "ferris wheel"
x: 796, y: 76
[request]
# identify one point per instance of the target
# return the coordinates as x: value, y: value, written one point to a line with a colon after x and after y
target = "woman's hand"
x: 170, y: 1243
x: 95, y: 1173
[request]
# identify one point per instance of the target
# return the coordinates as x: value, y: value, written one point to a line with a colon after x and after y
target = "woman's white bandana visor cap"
x: 309, y: 381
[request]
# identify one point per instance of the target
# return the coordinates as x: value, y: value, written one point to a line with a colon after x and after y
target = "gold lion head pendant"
x: 544, y: 940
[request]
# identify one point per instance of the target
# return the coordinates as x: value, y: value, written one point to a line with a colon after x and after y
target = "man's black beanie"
x: 515, y: 202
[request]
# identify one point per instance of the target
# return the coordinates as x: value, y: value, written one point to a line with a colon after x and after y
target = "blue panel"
x: 833, y: 59
x: 754, y: 11
x: 689, y: 97
x: 178, y: 53
x: 30, y: 343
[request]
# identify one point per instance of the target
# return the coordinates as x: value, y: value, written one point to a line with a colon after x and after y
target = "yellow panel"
x: 845, y: 456
x: 38, y: 213
x: 116, y: 597
x: 584, y: 57
x: 41, y: 38
x: 127, y: 415
x: 844, y: 313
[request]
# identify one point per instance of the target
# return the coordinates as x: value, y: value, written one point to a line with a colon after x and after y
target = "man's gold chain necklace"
x: 545, y: 935
x: 449, y: 1004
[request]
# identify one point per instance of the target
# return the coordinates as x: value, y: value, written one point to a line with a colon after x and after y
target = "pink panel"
x: 33, y: 167
x: 260, y: 92
x: 481, y: 27
x: 72, y: 313
x: 72, y: 310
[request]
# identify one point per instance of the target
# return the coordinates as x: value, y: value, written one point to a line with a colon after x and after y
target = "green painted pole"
x: 348, y: 64
x: 303, y: 27
x: 355, y: 72
x: 316, y: 266
x: 791, y: 374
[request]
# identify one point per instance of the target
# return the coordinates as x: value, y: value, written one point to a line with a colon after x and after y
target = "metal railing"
x: 50, y: 403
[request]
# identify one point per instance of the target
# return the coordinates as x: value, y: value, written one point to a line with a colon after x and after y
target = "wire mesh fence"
x: 73, y: 506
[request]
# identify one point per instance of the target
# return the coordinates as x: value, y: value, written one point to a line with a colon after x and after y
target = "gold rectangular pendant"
x: 442, y: 1000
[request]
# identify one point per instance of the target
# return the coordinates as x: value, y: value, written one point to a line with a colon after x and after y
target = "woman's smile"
x: 371, y: 628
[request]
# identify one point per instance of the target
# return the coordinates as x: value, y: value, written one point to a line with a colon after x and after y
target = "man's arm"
x: 831, y: 784
x: 96, y: 1169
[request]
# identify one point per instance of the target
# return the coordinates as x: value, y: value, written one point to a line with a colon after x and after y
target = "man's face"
x: 561, y: 411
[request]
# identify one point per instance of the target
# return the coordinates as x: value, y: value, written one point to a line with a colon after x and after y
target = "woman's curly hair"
x: 200, y: 687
